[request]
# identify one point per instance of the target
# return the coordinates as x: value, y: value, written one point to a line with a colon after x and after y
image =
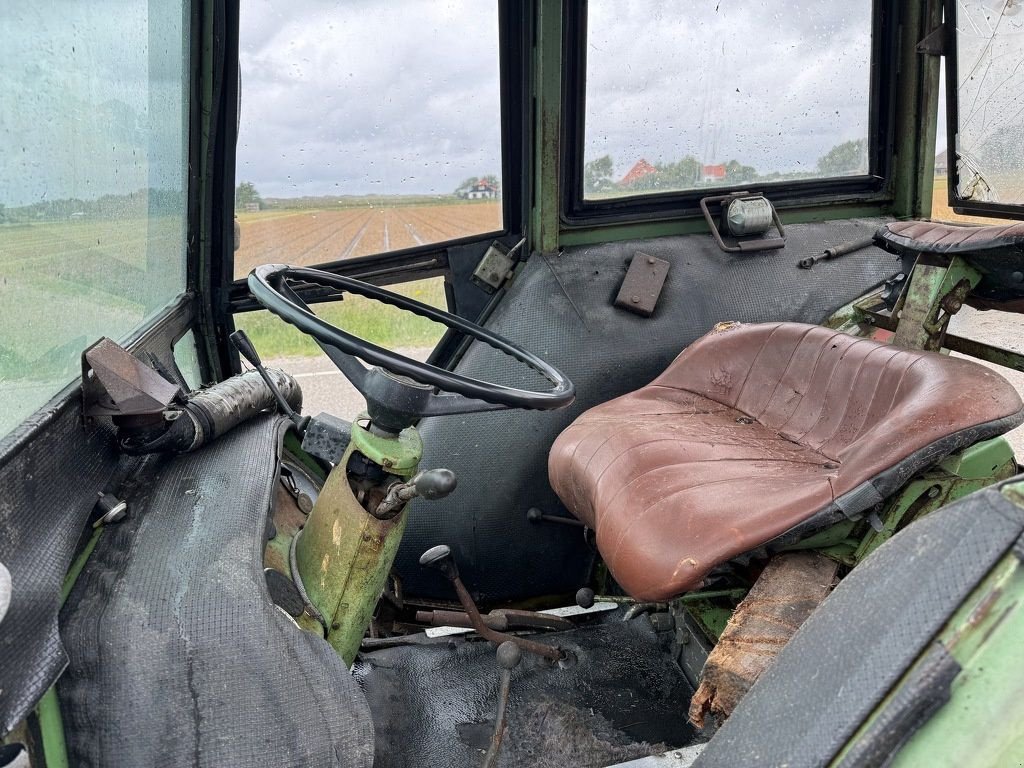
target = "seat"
x: 757, y: 432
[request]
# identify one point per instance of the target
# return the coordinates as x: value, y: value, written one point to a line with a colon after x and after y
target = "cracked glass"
x: 990, y: 101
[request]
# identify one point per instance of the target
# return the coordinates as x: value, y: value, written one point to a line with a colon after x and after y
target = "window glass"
x: 940, y: 210
x: 92, y: 183
x: 187, y: 360
x: 724, y: 94
x: 990, y: 101
x: 365, y: 128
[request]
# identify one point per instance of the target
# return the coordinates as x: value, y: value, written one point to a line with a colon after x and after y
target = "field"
x: 304, y: 238
x: 942, y: 212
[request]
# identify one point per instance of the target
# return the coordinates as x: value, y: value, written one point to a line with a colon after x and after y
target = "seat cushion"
x: 936, y: 237
x: 754, y: 430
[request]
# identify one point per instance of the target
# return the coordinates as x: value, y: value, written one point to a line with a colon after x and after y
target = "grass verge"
x: 371, y: 320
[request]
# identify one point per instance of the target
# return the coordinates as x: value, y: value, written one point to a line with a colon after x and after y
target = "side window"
x: 985, y: 100
x: 725, y: 94
x: 365, y: 128
x: 92, y: 183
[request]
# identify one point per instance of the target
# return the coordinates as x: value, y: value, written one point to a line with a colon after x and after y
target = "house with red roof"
x: 637, y: 172
x: 711, y: 174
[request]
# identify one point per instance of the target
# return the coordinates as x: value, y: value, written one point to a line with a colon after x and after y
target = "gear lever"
x: 440, y: 558
x: 248, y: 351
x: 508, y: 659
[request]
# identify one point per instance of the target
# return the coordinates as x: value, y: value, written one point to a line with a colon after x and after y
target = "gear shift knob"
x: 440, y: 558
x: 434, y: 483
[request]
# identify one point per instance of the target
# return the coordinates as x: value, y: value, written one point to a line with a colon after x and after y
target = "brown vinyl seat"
x: 759, y: 433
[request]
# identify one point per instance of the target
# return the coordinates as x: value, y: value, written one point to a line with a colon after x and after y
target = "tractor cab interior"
x: 698, y: 468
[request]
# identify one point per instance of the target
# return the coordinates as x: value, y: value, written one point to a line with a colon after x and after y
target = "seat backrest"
x: 857, y: 401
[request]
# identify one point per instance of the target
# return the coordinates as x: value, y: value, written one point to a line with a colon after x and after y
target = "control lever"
x: 508, y: 656
x: 440, y: 558
x: 248, y: 351
x: 431, y: 485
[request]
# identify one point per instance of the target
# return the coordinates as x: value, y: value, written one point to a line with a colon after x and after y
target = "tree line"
x: 844, y: 159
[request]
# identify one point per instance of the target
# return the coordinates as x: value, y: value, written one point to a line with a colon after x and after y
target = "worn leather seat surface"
x: 936, y: 237
x: 755, y: 429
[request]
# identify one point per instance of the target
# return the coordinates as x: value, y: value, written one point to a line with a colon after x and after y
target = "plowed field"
x: 305, y: 238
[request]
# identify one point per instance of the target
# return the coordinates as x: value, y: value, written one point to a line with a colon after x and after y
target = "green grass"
x: 379, y: 323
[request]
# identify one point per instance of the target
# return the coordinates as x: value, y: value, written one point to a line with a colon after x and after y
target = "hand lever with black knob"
x: 432, y: 484
x: 440, y: 558
x: 248, y: 351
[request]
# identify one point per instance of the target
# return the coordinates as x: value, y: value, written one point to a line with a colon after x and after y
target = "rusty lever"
x: 440, y: 558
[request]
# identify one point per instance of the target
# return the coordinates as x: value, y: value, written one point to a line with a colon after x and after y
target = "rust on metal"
x: 791, y: 586
x: 642, y: 285
x: 129, y: 386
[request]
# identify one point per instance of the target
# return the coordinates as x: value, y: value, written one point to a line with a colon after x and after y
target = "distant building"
x: 637, y: 172
x: 942, y: 163
x: 482, y: 190
x: 252, y: 207
x: 711, y: 174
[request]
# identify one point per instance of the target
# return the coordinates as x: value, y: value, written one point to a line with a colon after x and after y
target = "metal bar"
x: 51, y: 724
x: 547, y: 651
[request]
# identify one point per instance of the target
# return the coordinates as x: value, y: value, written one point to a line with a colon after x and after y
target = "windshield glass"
x: 365, y: 128
x: 92, y: 183
x: 724, y: 94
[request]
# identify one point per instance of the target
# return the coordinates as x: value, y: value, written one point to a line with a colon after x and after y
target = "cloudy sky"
x: 360, y: 97
x: 773, y: 85
x: 357, y: 96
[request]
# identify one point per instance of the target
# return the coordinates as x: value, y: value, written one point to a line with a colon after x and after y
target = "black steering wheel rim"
x: 269, y: 285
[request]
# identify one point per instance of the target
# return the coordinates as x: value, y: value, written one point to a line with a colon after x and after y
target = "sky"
x: 363, y: 97
x: 773, y: 85
x: 360, y: 97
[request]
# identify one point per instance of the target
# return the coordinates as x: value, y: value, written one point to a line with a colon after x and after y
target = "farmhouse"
x: 482, y: 190
x: 711, y: 174
x: 637, y: 172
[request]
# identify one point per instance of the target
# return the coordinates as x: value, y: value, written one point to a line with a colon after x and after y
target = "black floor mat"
x: 622, y: 698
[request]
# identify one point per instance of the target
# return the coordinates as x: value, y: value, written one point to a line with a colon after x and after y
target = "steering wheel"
x: 399, y: 390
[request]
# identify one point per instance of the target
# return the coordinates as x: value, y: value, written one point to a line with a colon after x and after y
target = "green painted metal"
x: 51, y: 729
x: 711, y: 609
x: 981, y: 724
x: 958, y: 475
x: 916, y: 112
x: 981, y: 461
x: 293, y: 446
x: 51, y: 724
x: 935, y: 294
x: 399, y: 456
x: 344, y: 554
x: 547, y: 92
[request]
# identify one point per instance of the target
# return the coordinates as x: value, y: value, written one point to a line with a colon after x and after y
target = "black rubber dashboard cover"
x: 856, y: 646
x: 50, y: 473
x: 178, y: 656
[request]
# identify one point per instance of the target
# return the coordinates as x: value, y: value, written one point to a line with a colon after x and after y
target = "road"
x: 325, y: 389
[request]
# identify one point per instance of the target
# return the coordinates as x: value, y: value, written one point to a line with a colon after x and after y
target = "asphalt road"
x: 325, y: 389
